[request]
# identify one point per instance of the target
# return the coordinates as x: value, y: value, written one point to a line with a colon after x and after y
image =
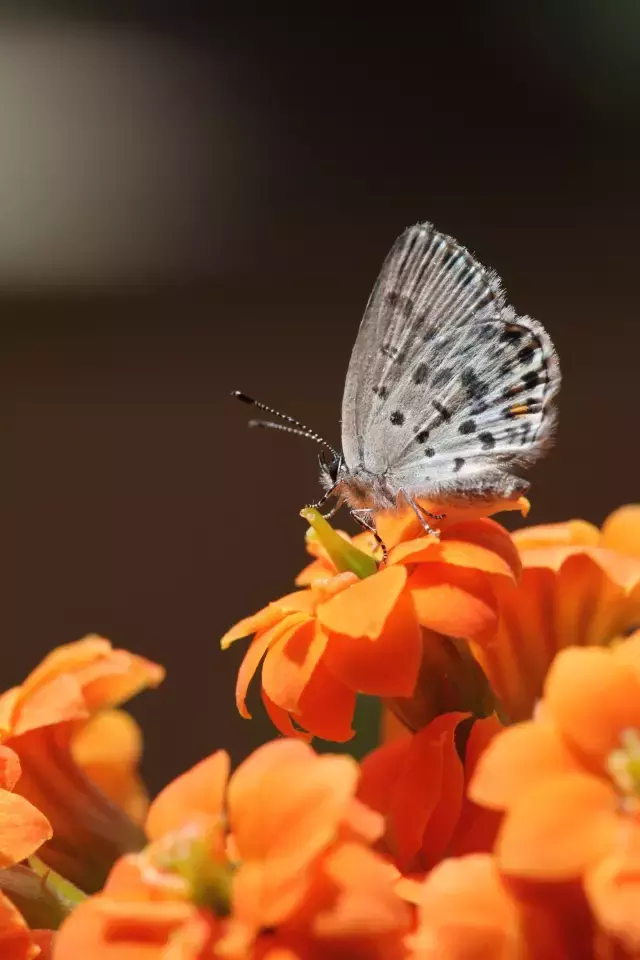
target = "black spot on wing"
x: 422, y: 436
x: 531, y: 379
x: 442, y: 377
x: 442, y: 410
x: 487, y: 440
x: 467, y: 427
x: 397, y: 418
x: 512, y: 333
x: 474, y: 386
x: 429, y: 452
x: 420, y: 374
x: 526, y: 353
x: 458, y: 463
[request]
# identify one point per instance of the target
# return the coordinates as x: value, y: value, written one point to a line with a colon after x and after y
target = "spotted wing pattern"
x: 448, y: 392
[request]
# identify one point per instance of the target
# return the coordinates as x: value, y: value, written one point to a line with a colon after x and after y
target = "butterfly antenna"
x: 297, y: 428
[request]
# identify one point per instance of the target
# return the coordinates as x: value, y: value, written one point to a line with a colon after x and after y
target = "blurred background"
x: 193, y: 202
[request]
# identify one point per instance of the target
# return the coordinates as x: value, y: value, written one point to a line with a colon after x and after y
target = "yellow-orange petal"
x: 285, y: 802
x: 389, y: 663
x: 363, y: 610
x: 461, y: 553
x: 316, y: 570
x: 559, y: 828
x: 465, y: 913
x: 592, y: 698
x: 453, y: 601
x: 261, y: 620
x: 621, y: 530
x: 397, y: 526
x: 77, y: 679
x: 259, y: 645
x: 59, y: 701
x: 296, y: 680
x: 107, y: 929
x: 108, y: 748
x: 517, y: 759
x: 368, y: 905
x: 9, y: 768
x: 290, y: 662
x: 69, y: 658
x: 569, y: 533
x: 200, y: 790
x: 8, y: 703
x: 23, y: 829
x: 489, y: 534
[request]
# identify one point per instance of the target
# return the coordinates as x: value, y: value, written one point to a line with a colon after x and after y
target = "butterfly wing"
x: 447, y: 390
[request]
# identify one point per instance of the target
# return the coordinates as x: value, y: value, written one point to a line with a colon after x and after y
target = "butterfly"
x: 449, y: 393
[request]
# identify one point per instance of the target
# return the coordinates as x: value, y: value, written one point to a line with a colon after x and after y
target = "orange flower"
x: 574, y: 590
x: 17, y: 941
x: 23, y: 829
x: 358, y: 629
x: 569, y: 784
x: 418, y: 783
x: 468, y: 911
x: 108, y: 749
x: 41, y: 720
x: 278, y: 859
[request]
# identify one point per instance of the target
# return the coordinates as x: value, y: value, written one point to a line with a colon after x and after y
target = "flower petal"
x: 477, y: 826
x: 580, y: 679
x: 23, y: 829
x: 290, y: 663
x: 198, y: 791
x: 286, y: 802
x: 570, y: 533
x: 326, y: 707
x: 258, y: 648
x: 461, y: 550
x: 108, y: 749
x: 295, y: 679
x: 454, y: 601
x: 558, y: 828
x: 465, y: 913
x: 9, y: 768
x: 397, y: 526
x: 16, y: 940
x: 621, y: 530
x: 261, y: 620
x: 363, y: 610
x: 426, y: 811
x: 282, y: 721
x: 613, y: 889
x: 367, y: 905
x: 388, y: 664
x: 521, y: 756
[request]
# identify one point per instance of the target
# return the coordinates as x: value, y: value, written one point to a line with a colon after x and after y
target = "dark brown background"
x: 191, y: 204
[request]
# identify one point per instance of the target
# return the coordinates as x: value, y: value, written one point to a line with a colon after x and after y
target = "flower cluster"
x: 497, y: 819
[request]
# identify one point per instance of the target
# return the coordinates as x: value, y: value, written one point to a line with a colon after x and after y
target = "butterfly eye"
x: 330, y: 467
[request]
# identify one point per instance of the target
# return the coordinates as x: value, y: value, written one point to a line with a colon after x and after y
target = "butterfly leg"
x: 365, y: 519
x: 334, y: 509
x: 323, y: 499
x: 420, y: 514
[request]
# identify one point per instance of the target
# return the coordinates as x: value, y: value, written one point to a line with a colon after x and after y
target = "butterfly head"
x: 332, y: 469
